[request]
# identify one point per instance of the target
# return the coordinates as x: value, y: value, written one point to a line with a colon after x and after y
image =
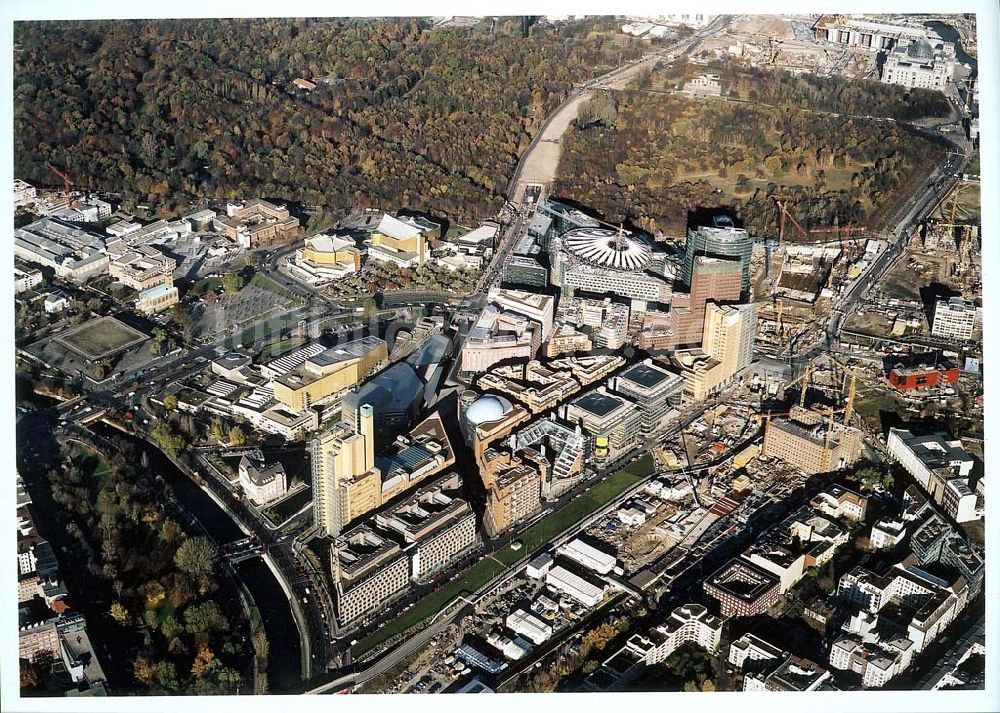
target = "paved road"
x: 940, y: 182
x: 540, y: 162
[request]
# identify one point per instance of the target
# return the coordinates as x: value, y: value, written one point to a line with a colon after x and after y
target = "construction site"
x: 798, y: 274
x: 789, y: 43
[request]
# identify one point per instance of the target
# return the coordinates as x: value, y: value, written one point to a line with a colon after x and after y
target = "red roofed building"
x: 922, y: 377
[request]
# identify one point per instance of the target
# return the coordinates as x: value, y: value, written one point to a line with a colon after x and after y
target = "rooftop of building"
x: 391, y: 390
x: 531, y: 300
x: 742, y: 579
x: 687, y: 613
x: 306, y: 372
x: 426, y: 510
x: 648, y: 375
x: 748, y: 640
x: 487, y: 408
x: 796, y: 674
x: 156, y: 291
x: 360, y: 549
x: 330, y: 242
x: 404, y: 227
x: 934, y: 450
x: 258, y: 472
x: 598, y: 403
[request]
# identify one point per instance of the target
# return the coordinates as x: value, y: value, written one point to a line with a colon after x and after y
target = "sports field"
x: 101, y: 338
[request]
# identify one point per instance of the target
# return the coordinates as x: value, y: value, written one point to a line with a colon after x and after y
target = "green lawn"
x: 208, y: 284
x: 974, y: 165
x: 289, y: 506
x: 94, y: 464
x: 266, y: 283
x: 532, y: 539
x: 595, y: 498
x: 266, y: 329
x: 277, y: 349
x: 471, y: 580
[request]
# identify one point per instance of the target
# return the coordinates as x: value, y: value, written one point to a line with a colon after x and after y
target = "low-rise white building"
x: 838, y: 501
x: 158, y: 298
x: 689, y: 623
x: 753, y: 648
x: 707, y: 85
x: 26, y: 279
x: 876, y: 662
x: 887, y: 533
x: 954, y: 319
x: 584, y: 591
x: 588, y: 556
x: 261, y: 483
x: 941, y: 466
x: 24, y: 192
x: 529, y: 626
x: 538, y: 567
x: 73, y: 253
x: 960, y: 502
x: 55, y: 302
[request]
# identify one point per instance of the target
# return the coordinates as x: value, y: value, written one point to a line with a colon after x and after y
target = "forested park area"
x: 649, y: 156
x: 170, y: 113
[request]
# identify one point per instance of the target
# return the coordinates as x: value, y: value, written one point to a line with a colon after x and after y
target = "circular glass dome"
x: 921, y: 49
x: 487, y: 408
x: 608, y: 248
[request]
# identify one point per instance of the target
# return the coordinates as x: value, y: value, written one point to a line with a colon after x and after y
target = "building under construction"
x: 812, y: 441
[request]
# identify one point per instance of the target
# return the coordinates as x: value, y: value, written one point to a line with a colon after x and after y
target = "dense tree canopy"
x: 404, y: 115
x: 164, y: 606
x: 658, y: 155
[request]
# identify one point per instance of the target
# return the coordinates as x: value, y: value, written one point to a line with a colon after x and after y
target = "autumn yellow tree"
x: 202, y: 662
x: 119, y: 613
x: 144, y: 670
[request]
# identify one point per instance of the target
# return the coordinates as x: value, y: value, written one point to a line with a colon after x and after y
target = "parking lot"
x: 231, y: 310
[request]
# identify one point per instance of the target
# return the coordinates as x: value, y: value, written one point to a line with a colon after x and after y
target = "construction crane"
x: 67, y: 184
x: 954, y: 202
x: 804, y: 378
x: 851, y: 393
x: 782, y: 204
x: 850, y: 382
x: 781, y: 322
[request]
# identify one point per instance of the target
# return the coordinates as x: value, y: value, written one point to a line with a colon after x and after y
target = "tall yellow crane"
x: 852, y: 391
x: 850, y: 382
x: 804, y: 378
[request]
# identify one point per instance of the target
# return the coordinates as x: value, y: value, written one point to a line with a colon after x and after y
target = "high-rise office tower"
x: 346, y: 483
x: 721, y: 240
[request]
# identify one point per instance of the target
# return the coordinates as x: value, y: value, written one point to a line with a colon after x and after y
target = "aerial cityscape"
x: 499, y: 354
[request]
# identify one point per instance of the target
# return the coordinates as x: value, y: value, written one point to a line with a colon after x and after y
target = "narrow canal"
x: 283, y: 663
x: 37, y: 450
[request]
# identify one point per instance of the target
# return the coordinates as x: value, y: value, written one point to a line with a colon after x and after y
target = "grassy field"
x: 470, y: 580
x: 870, y: 404
x: 98, y: 338
x: 266, y: 329
x: 974, y: 166
x: 599, y: 495
x: 532, y: 539
x: 95, y: 465
x: 209, y: 284
x: 966, y: 200
x: 266, y: 283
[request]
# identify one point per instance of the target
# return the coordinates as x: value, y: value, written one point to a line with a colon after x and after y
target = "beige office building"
x: 369, y: 571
